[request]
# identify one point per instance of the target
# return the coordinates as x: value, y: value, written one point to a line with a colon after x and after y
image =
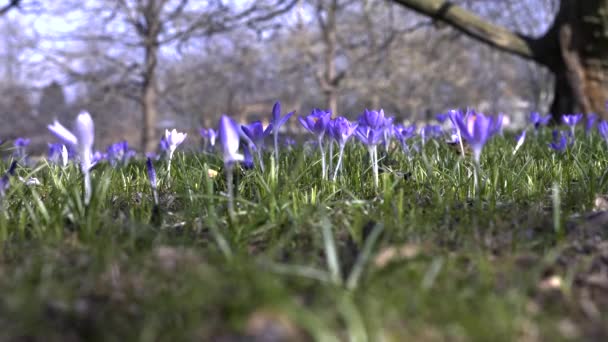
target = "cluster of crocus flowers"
x: 119, y: 153
x: 82, y: 139
x: 371, y: 129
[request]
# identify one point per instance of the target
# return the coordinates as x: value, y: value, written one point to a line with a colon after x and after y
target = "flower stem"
x: 476, y: 176
x: 260, y: 159
x: 85, y: 165
x: 331, y: 156
x: 169, y: 165
x: 87, y: 187
x: 276, y: 149
x: 460, y: 142
x: 230, y: 189
x: 339, y: 164
x: 373, y: 155
x: 323, y: 166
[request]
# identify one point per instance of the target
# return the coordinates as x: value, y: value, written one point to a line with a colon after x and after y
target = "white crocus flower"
x: 81, y: 138
x: 173, y: 139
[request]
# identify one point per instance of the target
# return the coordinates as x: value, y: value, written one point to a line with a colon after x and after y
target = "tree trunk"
x: 329, y: 79
x: 575, y: 48
x: 150, y: 30
x: 149, y: 140
x: 581, y: 76
x: 331, y: 41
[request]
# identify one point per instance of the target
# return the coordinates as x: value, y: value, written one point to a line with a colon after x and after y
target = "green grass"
x: 301, y: 257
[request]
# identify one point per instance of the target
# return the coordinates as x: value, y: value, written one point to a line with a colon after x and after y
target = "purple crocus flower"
x: 316, y: 123
x: 560, y: 141
x: 430, y: 132
x: 341, y: 131
x: 373, y: 119
x: 289, y: 142
x: 387, y: 131
x: 456, y: 115
x: 371, y: 137
x: 537, y: 120
x: 277, y: 122
x: 20, y: 145
x: 58, y: 154
x: 248, y: 158
x: 403, y: 134
x: 98, y: 157
x: 442, y: 117
x: 368, y: 136
x: 497, y: 124
x: 256, y: 134
x: 591, y: 119
x: 22, y: 142
x: 477, y: 130
x: 119, y: 153
x: 152, y: 178
x: 602, y: 127
x: 572, y: 120
x: 209, y: 135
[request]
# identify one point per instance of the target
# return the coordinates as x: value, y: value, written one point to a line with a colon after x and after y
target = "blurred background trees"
x: 140, y: 66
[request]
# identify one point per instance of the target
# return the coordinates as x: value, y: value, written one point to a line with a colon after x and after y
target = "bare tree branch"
x: 12, y: 3
x: 476, y: 27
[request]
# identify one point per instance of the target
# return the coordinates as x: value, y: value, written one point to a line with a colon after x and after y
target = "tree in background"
x: 574, y: 48
x: 133, y: 34
x: 52, y: 103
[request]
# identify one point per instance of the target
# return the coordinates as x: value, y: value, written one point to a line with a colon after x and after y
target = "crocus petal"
x: 276, y: 112
x: 85, y: 130
x: 229, y: 137
x: 63, y: 133
x: 151, y: 172
x: 284, y: 119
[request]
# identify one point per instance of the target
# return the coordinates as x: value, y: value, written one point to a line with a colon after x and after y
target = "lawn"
x: 425, y: 256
